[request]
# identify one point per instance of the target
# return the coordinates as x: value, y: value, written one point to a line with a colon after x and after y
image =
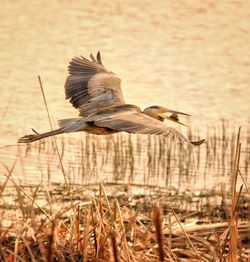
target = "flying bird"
x: 96, y: 93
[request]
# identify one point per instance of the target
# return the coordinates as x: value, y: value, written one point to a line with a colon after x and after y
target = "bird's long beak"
x: 174, y: 116
x: 176, y: 120
x: 176, y: 112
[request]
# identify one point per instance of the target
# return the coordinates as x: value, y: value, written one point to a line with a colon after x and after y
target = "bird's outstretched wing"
x: 132, y: 120
x: 90, y: 87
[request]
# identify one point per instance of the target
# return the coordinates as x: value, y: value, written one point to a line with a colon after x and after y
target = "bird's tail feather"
x: 34, y: 137
x: 68, y: 121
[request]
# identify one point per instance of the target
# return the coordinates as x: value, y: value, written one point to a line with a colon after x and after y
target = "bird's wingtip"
x: 197, y: 143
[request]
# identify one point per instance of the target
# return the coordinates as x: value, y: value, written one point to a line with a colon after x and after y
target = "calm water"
x: 193, y: 57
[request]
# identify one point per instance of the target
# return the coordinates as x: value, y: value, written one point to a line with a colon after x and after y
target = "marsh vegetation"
x: 156, y: 201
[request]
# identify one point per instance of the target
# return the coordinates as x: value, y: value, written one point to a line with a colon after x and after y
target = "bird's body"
x: 97, y: 94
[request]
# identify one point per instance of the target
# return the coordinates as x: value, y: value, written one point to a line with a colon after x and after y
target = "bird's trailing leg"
x: 66, y: 126
x: 37, y: 136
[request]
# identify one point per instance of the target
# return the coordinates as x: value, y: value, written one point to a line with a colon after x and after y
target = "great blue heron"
x: 96, y: 93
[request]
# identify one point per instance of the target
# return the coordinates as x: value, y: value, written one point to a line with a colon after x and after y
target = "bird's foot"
x: 29, y: 138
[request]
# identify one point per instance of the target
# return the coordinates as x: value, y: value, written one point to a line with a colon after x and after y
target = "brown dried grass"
x: 100, y: 230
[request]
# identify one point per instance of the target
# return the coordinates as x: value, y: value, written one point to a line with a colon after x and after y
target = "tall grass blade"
x: 54, y: 139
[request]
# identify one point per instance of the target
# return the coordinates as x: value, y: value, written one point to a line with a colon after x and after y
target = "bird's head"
x: 158, y: 112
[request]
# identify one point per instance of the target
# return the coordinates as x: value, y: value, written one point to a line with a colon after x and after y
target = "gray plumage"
x: 90, y: 87
x: 96, y: 93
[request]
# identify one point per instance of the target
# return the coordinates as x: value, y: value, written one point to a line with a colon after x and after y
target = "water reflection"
x: 134, y: 159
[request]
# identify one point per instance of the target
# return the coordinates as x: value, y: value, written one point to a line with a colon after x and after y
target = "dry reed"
x: 75, y: 226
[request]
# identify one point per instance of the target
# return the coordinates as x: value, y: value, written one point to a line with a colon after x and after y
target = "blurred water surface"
x: 192, y: 56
